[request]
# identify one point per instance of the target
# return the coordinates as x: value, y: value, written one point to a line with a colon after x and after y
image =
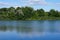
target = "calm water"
x: 30, y: 30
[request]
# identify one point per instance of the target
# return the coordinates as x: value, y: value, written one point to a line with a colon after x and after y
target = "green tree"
x: 19, y: 13
x: 11, y: 13
x: 53, y: 13
x: 28, y: 12
x: 40, y: 12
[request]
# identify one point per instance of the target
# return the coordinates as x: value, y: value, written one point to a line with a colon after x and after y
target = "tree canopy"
x: 28, y: 13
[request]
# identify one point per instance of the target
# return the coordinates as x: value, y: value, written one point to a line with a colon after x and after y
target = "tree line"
x: 28, y: 13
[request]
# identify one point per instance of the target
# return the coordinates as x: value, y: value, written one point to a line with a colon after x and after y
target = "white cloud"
x: 2, y: 3
x: 34, y: 2
x: 58, y: 4
x: 30, y: 3
x: 8, y: 4
x: 38, y: 2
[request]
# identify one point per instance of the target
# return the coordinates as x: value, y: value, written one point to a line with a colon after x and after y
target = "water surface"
x: 30, y: 30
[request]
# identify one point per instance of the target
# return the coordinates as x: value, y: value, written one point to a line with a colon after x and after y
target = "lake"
x: 30, y: 30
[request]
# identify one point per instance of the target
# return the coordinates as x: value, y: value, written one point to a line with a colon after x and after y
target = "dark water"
x: 30, y: 30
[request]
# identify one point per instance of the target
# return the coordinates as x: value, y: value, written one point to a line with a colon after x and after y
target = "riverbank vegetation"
x: 28, y: 13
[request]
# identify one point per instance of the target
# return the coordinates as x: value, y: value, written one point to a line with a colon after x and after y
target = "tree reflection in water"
x: 18, y: 29
x: 23, y: 29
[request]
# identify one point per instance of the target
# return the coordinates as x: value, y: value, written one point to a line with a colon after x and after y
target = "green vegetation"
x: 28, y: 13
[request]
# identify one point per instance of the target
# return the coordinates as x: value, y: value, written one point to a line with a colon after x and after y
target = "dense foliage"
x: 28, y: 13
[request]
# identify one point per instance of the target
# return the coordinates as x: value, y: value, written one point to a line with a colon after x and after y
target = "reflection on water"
x: 32, y: 29
x: 29, y: 26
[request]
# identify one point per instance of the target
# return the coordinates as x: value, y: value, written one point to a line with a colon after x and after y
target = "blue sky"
x: 36, y: 4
